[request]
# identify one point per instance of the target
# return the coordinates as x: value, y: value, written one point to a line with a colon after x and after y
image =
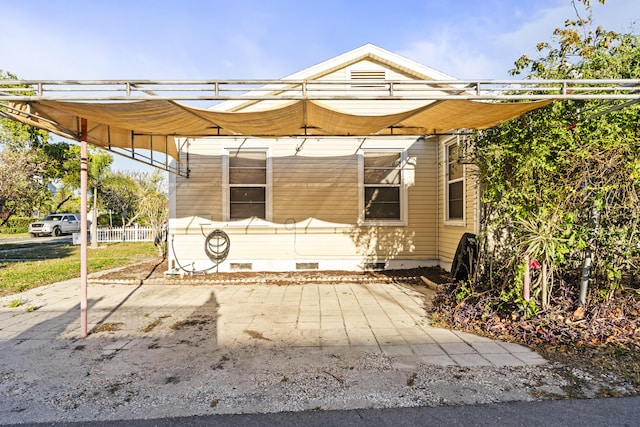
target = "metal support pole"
x: 83, y: 229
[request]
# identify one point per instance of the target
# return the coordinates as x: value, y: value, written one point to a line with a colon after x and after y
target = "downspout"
x: 439, y: 185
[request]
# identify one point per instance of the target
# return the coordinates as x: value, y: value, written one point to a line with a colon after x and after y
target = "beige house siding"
x: 314, y: 200
x: 315, y: 178
x: 315, y: 194
x: 450, y: 232
x: 202, y: 192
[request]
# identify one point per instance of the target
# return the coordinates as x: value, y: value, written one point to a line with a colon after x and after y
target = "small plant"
x: 411, y: 381
x: 30, y: 307
x: 107, y: 327
x: 464, y: 291
x: 15, y: 303
x: 151, y: 326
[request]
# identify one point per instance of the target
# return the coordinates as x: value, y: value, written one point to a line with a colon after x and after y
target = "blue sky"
x: 262, y: 39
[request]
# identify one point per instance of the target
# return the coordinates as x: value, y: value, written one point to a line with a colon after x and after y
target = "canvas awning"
x: 153, y: 124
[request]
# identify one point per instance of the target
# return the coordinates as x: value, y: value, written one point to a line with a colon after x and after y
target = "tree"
x: 561, y: 185
x: 23, y: 188
x: 138, y: 197
x: 99, y: 163
x: 119, y: 195
x: 152, y: 205
x: 31, y: 161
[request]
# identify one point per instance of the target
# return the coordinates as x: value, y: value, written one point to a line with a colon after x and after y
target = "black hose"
x: 216, y: 246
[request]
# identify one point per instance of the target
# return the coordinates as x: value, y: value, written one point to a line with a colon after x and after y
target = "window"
x: 248, y: 177
x: 382, y: 184
x: 455, y: 184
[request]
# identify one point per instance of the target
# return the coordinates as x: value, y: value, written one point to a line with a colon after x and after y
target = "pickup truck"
x: 56, y: 225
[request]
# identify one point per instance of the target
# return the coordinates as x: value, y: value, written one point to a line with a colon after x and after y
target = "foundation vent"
x: 376, y: 266
x: 241, y: 266
x: 306, y: 265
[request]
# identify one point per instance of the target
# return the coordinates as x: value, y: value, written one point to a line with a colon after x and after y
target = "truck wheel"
x: 57, y: 232
x: 33, y: 235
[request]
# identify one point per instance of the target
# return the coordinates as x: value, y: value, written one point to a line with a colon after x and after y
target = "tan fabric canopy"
x: 153, y: 124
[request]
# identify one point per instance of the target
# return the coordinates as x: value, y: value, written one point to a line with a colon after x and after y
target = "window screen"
x: 455, y: 184
x: 382, y: 184
x: 247, y: 184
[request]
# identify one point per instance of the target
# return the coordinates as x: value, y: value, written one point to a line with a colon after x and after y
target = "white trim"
x: 457, y: 222
x: 404, y: 198
x: 226, y: 214
x: 323, y: 264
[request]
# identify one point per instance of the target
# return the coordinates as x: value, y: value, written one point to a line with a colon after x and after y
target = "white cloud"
x: 453, y: 57
x: 479, y: 48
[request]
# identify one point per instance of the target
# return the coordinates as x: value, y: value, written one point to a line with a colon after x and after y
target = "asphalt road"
x: 593, y: 412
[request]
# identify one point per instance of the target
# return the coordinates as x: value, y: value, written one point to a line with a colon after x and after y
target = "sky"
x: 263, y: 39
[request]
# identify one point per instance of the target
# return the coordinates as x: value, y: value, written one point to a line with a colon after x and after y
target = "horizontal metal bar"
x: 256, y: 90
x: 293, y: 81
x: 483, y: 97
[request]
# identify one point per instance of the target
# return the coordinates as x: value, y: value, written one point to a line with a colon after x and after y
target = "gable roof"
x: 366, y: 53
x: 298, y: 105
x: 373, y: 53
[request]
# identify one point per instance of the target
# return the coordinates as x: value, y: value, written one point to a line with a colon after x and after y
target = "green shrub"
x: 17, y: 225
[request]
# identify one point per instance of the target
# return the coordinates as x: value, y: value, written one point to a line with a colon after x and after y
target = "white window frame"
x: 447, y: 182
x: 403, y: 188
x: 226, y: 196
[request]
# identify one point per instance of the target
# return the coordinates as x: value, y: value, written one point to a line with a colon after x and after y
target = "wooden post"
x: 83, y: 230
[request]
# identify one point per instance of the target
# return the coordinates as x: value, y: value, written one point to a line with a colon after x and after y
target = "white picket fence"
x: 125, y: 234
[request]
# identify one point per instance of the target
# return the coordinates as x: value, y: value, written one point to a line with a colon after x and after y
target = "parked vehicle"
x: 56, y: 225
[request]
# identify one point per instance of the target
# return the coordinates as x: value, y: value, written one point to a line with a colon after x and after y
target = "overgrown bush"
x: 561, y: 185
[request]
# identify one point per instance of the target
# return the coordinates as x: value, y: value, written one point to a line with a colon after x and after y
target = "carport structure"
x: 152, y: 121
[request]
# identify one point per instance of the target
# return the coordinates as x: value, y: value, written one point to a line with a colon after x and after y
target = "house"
x: 328, y: 202
x: 358, y: 162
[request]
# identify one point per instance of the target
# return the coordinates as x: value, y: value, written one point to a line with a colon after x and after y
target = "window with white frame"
x: 455, y: 184
x: 383, y: 193
x: 248, y: 184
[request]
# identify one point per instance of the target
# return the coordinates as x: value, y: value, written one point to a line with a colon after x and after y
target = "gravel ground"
x: 111, y: 376
x: 103, y: 378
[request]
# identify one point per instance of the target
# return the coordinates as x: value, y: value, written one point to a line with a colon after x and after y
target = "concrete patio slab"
x: 391, y: 319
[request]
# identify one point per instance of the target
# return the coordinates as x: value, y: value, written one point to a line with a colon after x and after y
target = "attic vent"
x: 368, y: 78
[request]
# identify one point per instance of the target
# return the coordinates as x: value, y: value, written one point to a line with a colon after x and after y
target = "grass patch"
x: 30, y: 307
x: 15, y: 303
x: 4, y: 235
x: 107, y: 327
x: 37, y: 265
x: 151, y: 326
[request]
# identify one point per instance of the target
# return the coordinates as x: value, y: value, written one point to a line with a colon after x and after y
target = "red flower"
x: 534, y: 264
